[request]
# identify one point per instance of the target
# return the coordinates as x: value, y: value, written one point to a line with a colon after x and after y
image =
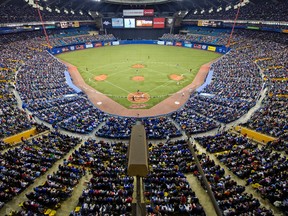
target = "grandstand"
x: 217, y: 149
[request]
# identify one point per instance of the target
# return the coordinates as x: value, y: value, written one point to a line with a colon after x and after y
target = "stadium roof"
x: 117, y: 6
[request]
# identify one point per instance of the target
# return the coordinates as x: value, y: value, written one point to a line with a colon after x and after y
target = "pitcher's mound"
x: 138, y: 66
x: 176, y: 77
x: 138, y: 78
x: 138, y: 97
x: 101, y: 77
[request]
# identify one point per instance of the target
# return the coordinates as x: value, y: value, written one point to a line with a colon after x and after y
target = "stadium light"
x: 202, y: 11
x: 72, y: 12
x: 228, y: 7
x: 210, y: 10
x: 219, y: 9
x: 81, y: 13
x: 196, y: 11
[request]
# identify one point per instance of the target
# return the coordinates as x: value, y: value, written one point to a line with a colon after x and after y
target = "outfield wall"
x: 97, y: 44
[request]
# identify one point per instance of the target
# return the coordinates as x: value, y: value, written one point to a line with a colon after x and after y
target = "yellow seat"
x: 77, y: 209
x: 52, y: 213
x: 47, y: 212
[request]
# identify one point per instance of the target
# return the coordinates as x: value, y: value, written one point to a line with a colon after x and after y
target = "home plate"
x: 177, y: 102
x: 99, y: 103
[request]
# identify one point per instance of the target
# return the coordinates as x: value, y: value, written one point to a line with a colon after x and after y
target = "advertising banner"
x: 79, y: 47
x: 211, y: 48
x: 98, y: 45
x: 169, y: 22
x: 159, y: 23
x: 161, y: 42
x: 148, y: 12
x: 178, y: 44
x: 65, y: 49
x: 72, y: 48
x: 107, y: 44
x: 115, y: 43
x: 107, y: 23
x: 188, y: 45
x: 144, y: 22
x: 76, y: 24
x: 204, y: 47
x: 197, y: 46
x: 169, y: 43
x: 136, y: 12
x: 88, y: 45
x: 129, y: 23
x: 285, y: 31
x: 117, y: 23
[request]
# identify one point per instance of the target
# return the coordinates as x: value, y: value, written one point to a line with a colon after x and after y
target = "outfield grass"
x: 159, y: 62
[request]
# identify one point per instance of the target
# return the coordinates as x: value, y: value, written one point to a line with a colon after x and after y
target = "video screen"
x: 129, y: 23
x: 117, y: 22
x: 144, y: 23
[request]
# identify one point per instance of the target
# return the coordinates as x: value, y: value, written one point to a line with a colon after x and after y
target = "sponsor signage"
x: 135, y: 12
x: 285, y: 31
x: 169, y: 22
x: 97, y: 44
x: 161, y: 42
x: 178, y: 44
x: 211, y: 48
x: 144, y: 23
x: 129, y: 23
x: 148, y: 12
x: 169, y: 43
x: 197, y: 46
x: 188, y: 45
x: 79, y: 47
x: 204, y: 47
x: 158, y: 22
x: 72, y: 48
x: 107, y: 43
x: 115, y: 43
x: 107, y: 23
x: 117, y: 23
x: 138, y: 12
x: 65, y: 49
x: 89, y: 45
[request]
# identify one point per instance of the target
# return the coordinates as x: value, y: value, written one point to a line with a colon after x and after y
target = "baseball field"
x: 138, y: 76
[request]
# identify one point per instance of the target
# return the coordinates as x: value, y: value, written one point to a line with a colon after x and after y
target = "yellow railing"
x: 17, y: 137
x: 251, y: 134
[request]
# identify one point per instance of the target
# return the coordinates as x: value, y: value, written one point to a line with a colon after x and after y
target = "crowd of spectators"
x: 224, y: 142
x: 196, y: 38
x: 278, y: 87
x: 58, y: 187
x: 13, y: 13
x: 192, y: 122
x: 22, y: 165
x: 255, y: 10
x: 109, y: 191
x: 264, y: 169
x: 80, y: 39
x: 84, y: 122
x: 166, y: 188
x: 156, y: 128
x: 230, y: 196
x: 271, y: 118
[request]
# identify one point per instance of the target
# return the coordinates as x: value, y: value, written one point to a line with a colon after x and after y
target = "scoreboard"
x: 135, y: 22
x: 210, y: 23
